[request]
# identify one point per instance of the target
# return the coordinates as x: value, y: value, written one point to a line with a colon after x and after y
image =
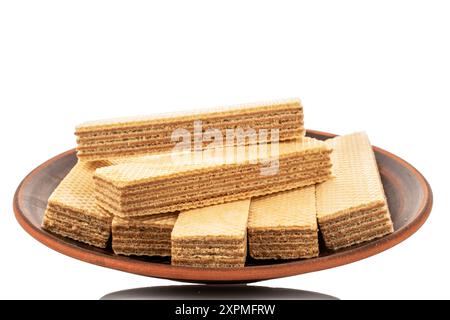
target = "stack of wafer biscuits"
x: 145, y: 236
x: 72, y: 211
x: 213, y: 237
x: 352, y: 207
x: 284, y: 225
x: 138, y: 189
x: 201, y: 207
x: 143, y: 135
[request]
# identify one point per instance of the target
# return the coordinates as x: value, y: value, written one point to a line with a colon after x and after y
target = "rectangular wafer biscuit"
x: 72, y: 210
x: 213, y: 236
x: 283, y: 225
x: 158, y: 186
x: 144, y: 236
x: 114, y: 138
x: 354, y: 195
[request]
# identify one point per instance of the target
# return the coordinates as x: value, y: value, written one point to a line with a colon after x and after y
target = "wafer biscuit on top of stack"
x: 72, y: 211
x: 352, y: 207
x: 214, y: 237
x: 143, y: 135
x: 144, y: 236
x: 137, y: 189
x: 283, y: 225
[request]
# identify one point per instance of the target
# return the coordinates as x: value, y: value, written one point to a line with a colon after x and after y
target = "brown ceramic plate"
x: 408, y: 193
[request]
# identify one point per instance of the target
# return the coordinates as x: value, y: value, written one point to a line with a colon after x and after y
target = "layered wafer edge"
x: 124, y: 137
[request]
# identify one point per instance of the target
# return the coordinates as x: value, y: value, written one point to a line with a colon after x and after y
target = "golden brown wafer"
x: 219, y: 233
x: 122, y: 137
x: 144, y: 236
x: 72, y: 210
x: 154, y: 186
x: 356, y: 192
x: 289, y: 217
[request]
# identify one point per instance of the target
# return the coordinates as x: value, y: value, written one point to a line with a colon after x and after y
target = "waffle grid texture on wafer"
x: 284, y: 225
x: 143, y: 135
x: 138, y: 189
x: 213, y: 236
x: 215, y: 208
x: 72, y: 211
x: 352, y: 206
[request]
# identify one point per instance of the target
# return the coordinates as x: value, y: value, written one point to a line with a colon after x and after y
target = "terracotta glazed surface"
x: 409, y: 197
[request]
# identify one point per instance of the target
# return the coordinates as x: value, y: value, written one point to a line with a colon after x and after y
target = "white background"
x: 379, y: 66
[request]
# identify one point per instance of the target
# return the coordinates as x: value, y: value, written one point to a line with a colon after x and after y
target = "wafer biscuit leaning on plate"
x: 143, y: 135
x: 214, y: 237
x: 352, y: 207
x: 283, y: 225
x: 72, y: 211
x: 164, y: 185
